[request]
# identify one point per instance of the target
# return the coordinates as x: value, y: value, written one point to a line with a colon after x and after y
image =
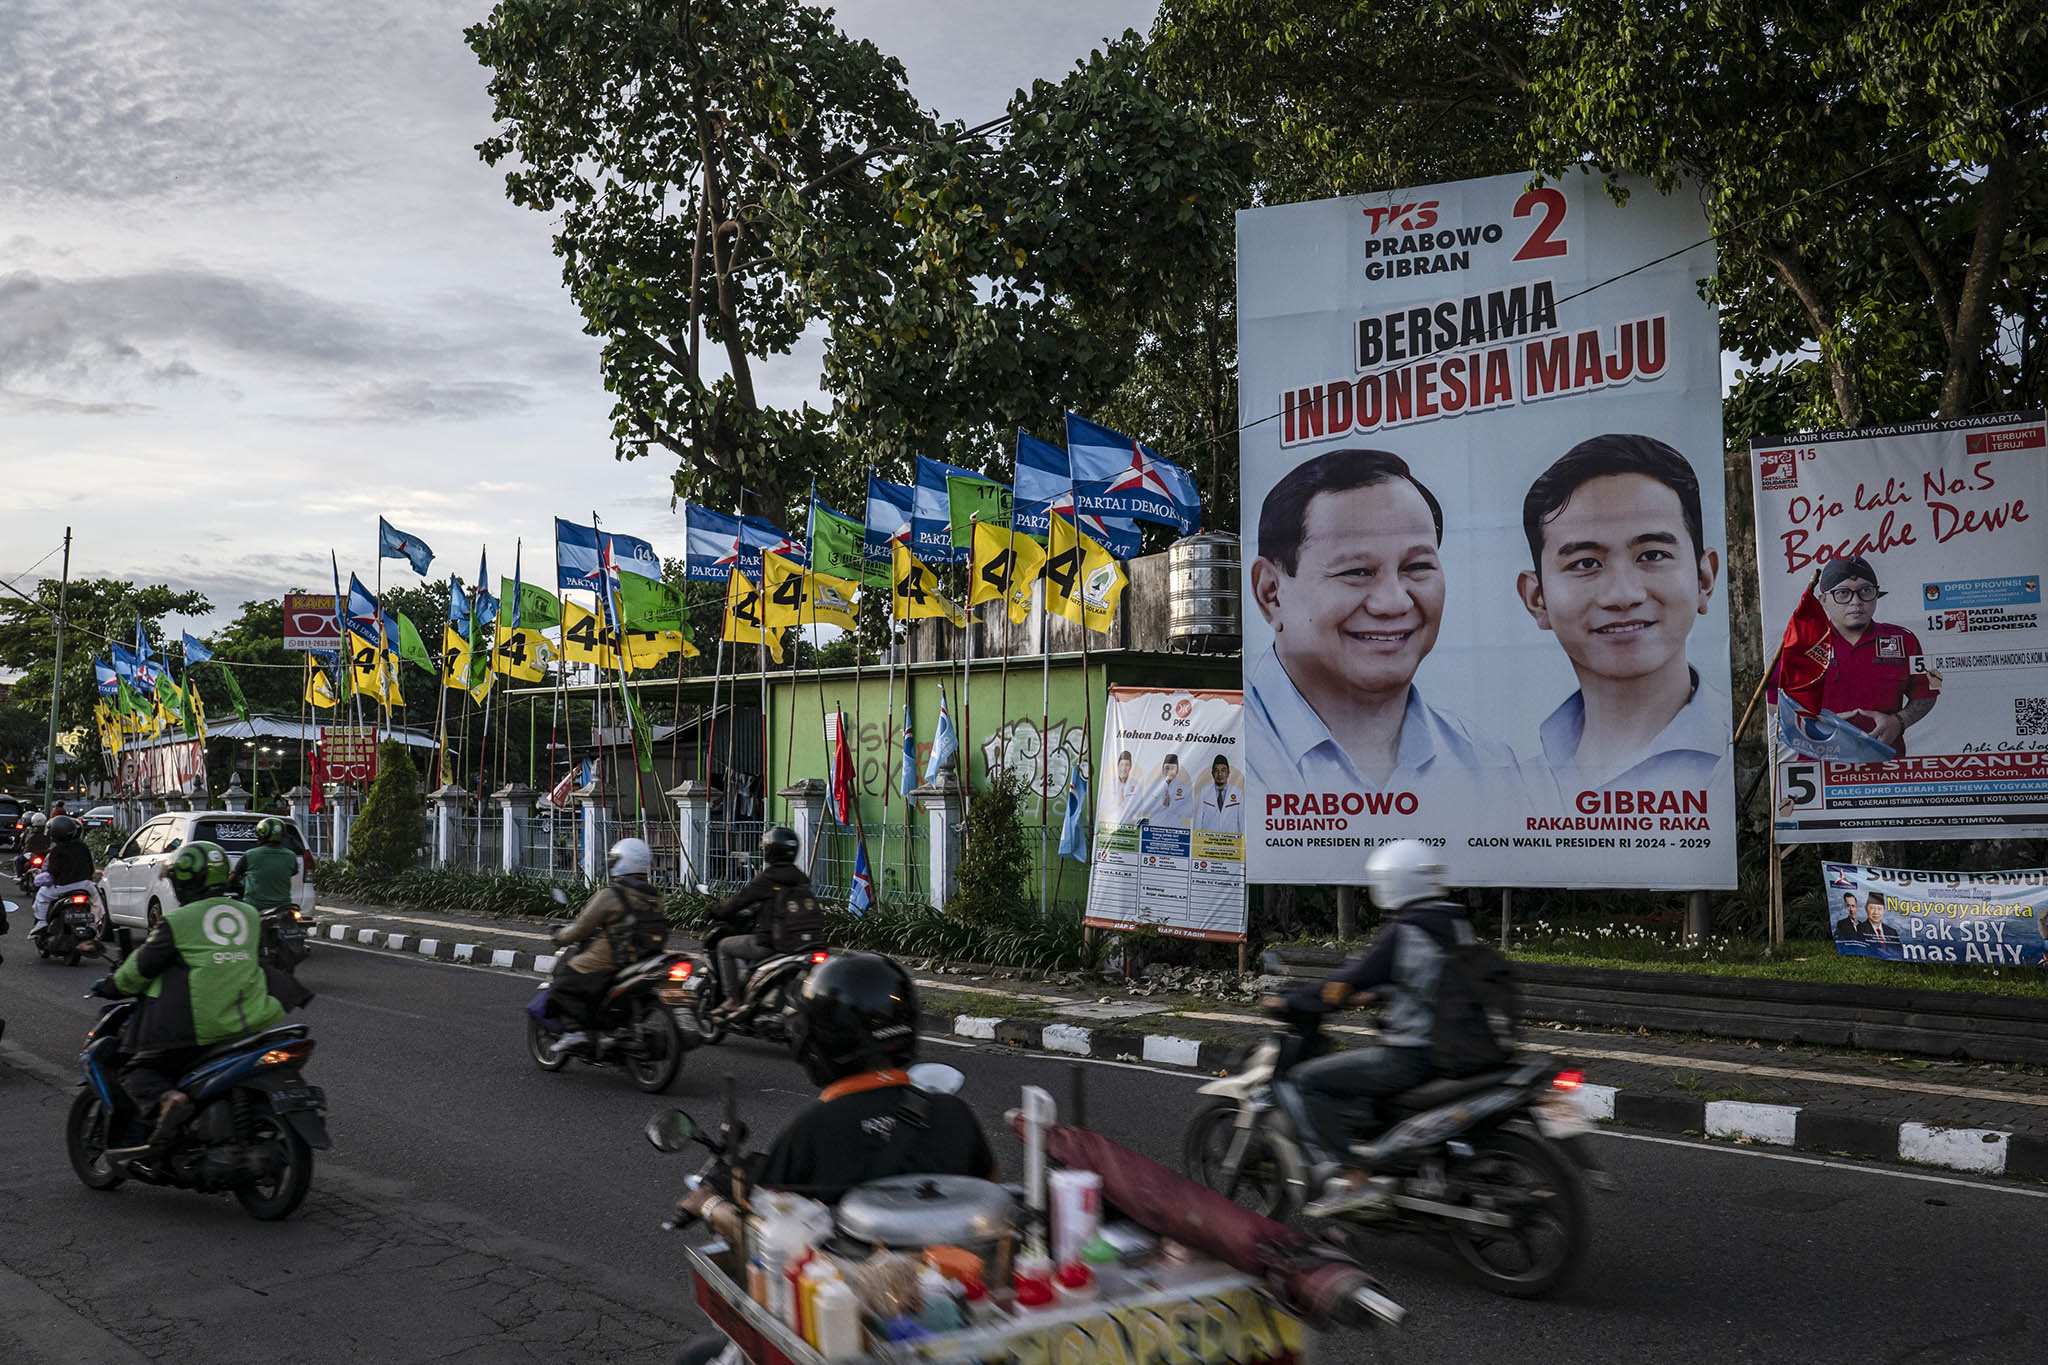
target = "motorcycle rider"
x: 855, y: 1034
x: 68, y: 865
x: 784, y: 889
x: 35, y: 839
x: 201, y: 985
x: 626, y: 910
x: 265, y: 872
x: 1406, y: 880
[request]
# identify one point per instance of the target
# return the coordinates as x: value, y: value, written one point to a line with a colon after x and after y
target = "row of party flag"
x: 141, y: 696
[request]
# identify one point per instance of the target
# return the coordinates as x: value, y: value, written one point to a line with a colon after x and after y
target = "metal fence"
x: 1057, y: 882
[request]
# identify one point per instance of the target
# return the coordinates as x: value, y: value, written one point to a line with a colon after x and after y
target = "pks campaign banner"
x: 1170, y: 814
x: 1911, y: 701
x: 1990, y: 919
x: 1483, y: 533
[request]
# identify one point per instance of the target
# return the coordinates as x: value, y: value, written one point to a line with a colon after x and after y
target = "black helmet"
x: 858, y: 1012
x: 199, y: 869
x: 778, y: 845
x: 270, y: 830
x: 63, y: 829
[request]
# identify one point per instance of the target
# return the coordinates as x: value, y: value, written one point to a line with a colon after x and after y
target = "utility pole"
x: 57, y: 675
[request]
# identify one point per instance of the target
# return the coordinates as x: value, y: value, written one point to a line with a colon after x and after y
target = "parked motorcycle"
x: 252, y: 1134
x: 639, y: 1025
x: 769, y: 992
x: 76, y: 928
x: 1497, y: 1163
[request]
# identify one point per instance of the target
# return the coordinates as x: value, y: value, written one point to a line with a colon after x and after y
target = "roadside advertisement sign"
x: 1914, y: 702
x: 1990, y: 919
x: 1169, y: 814
x: 349, y: 753
x: 1483, y: 512
x: 164, y: 768
x: 309, y: 621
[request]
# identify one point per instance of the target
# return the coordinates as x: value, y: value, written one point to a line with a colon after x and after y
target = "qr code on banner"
x: 2030, y: 715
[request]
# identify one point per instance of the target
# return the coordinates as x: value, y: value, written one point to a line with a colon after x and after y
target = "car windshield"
x: 239, y: 834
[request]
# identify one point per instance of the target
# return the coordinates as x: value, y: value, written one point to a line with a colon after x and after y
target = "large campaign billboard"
x: 1915, y: 697
x: 1483, y: 508
x: 1168, y: 850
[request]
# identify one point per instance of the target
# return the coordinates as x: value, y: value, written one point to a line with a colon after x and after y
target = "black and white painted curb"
x: 1978, y: 1151
x: 441, y: 949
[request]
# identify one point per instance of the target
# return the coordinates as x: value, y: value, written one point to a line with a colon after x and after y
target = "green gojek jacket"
x: 199, y: 978
x: 267, y: 875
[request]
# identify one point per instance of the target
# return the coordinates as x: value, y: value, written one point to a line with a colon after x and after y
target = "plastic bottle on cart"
x: 1033, y: 1279
x: 1074, y: 1284
x: 941, y: 1311
x: 836, y: 1313
x: 818, y: 1272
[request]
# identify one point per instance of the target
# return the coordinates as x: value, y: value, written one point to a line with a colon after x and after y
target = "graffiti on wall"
x: 1024, y: 749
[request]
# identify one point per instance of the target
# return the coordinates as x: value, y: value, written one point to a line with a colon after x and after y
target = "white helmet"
x: 1402, y: 873
x: 631, y: 857
x: 38, y: 820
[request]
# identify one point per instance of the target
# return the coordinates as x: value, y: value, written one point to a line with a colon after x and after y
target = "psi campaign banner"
x: 1169, y: 816
x: 1483, y: 514
x: 1912, y: 698
x: 1990, y: 919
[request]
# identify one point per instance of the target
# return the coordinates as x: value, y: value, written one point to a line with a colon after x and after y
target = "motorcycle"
x: 284, y: 944
x: 253, y: 1130
x: 26, y: 866
x: 76, y: 927
x: 769, y: 993
x: 638, y: 1025
x: 1497, y: 1164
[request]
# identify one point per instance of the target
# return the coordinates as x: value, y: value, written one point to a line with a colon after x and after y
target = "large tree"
x: 731, y: 178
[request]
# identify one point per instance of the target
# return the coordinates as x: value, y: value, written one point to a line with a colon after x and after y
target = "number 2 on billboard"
x: 1540, y: 243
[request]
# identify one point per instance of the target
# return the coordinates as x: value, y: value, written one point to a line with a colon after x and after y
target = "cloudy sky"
x: 256, y: 288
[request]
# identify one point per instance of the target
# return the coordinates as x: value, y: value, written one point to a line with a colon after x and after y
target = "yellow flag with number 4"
x: 1083, y: 581
x: 743, y: 623
x: 798, y: 596
x: 914, y: 593
x: 522, y: 654
x: 1005, y: 565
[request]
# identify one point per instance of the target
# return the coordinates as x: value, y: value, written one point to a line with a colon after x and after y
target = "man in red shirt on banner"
x: 1869, y: 680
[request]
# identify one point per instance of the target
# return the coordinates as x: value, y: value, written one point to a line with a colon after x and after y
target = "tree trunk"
x: 1973, y: 308
x: 1842, y: 376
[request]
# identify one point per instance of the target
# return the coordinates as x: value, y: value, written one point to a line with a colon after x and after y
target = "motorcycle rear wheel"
x: 710, y: 1031
x: 282, y: 1193
x: 1261, y: 1183
x: 541, y: 1044
x: 657, y: 1056
x: 86, y: 1142
x: 1528, y: 1181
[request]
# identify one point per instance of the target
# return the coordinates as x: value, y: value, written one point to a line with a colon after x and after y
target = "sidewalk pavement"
x: 1986, y: 1118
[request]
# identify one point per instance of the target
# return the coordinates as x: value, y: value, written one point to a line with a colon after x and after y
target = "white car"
x: 133, y: 880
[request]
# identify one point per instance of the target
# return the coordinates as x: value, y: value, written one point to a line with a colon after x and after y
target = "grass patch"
x: 1799, y: 960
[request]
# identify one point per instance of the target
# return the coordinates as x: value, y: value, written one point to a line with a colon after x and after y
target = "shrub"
x: 995, y: 866
x: 386, y: 837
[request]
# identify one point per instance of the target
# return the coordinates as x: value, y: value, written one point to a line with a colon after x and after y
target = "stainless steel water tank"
x: 1205, y: 594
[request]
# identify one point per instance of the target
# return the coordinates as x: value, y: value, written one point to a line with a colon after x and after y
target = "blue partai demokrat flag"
x: 1117, y: 476
x: 108, y: 679
x: 125, y: 662
x: 1045, y: 485
x: 458, y: 607
x: 861, y: 894
x: 393, y: 543
x: 630, y: 554
x: 887, y: 517
x: 579, y: 563
x: 482, y: 605
x: 1074, y: 829
x: 907, y: 783
x: 708, y: 540
x: 944, y: 744
x: 196, y: 651
x: 362, y: 617
x: 931, y: 512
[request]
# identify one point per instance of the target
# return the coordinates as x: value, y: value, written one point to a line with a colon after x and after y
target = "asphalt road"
x: 476, y: 1209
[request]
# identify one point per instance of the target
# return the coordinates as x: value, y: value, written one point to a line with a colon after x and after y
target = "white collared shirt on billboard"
x: 1289, y: 748
x: 1170, y: 802
x: 1220, y: 810
x: 1683, y: 755
x: 1120, y: 803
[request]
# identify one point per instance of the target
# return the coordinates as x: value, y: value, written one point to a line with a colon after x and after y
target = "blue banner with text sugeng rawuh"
x: 1989, y: 919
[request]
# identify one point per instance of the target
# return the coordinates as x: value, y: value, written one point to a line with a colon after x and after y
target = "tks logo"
x: 1407, y: 217
x: 225, y: 925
